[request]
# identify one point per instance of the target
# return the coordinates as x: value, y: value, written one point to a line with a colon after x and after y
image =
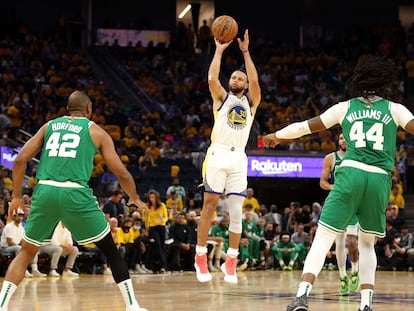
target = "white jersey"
x: 232, y: 123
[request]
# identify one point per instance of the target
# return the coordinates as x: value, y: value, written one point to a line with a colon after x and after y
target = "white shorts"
x: 225, y: 170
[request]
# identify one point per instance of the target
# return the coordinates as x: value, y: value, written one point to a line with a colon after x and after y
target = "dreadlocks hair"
x: 373, y: 75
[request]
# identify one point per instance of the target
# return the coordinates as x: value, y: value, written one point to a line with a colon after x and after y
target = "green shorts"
x: 77, y: 208
x: 357, y: 192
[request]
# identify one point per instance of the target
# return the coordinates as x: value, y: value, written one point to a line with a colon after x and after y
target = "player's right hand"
x: 270, y: 140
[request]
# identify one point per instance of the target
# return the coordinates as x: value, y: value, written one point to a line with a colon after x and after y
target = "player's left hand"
x: 141, y: 206
x: 14, y: 205
x: 271, y: 141
x: 244, y: 45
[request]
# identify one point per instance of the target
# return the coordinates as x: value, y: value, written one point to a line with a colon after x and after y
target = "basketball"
x: 224, y: 28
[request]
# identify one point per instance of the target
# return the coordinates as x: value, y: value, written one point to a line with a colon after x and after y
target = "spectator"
x: 397, y: 220
x: 179, y: 190
x: 61, y: 245
x: 11, y: 240
x: 156, y: 217
x: 251, y: 200
x: 112, y: 206
x: 181, y: 252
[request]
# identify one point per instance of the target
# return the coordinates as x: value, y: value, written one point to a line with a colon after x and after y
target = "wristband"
x: 244, y: 51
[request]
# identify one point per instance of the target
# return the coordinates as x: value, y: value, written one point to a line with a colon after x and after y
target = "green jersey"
x: 68, y: 151
x: 370, y: 131
x: 337, y: 162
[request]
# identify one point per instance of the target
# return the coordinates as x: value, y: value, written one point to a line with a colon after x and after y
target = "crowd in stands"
x: 39, y: 71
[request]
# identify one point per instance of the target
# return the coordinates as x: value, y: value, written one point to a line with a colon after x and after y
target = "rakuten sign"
x: 295, y: 167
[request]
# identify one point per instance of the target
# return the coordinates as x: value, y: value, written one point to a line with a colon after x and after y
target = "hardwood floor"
x: 257, y: 290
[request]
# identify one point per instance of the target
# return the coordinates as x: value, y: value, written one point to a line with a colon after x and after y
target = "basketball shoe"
x: 229, y: 269
x: 366, y: 308
x: 298, y: 304
x: 354, y: 285
x: 344, y: 288
x: 201, y: 266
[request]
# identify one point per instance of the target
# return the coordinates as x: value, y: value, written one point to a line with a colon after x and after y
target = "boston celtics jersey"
x: 370, y: 131
x: 68, y: 151
x: 337, y: 160
x: 232, y: 122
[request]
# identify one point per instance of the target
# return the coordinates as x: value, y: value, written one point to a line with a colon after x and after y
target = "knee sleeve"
x: 323, y: 241
x: 367, y: 258
x: 235, y: 212
x: 340, y: 249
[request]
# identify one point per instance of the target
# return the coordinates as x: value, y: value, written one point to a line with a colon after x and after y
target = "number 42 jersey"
x: 68, y: 151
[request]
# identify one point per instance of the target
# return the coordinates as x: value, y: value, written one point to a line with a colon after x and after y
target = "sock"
x: 304, y: 289
x: 366, y: 298
x: 342, y: 271
x: 128, y: 293
x: 7, y: 291
x: 34, y: 267
x: 291, y: 263
x: 234, y: 252
x: 281, y: 263
x: 354, y: 266
x: 200, y: 250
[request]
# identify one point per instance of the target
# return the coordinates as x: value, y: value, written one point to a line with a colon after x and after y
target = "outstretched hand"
x: 244, y: 45
x: 141, y: 206
x: 270, y: 140
x: 221, y: 46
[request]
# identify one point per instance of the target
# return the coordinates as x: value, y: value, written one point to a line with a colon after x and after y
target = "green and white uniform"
x: 62, y: 192
x: 363, y: 180
x: 352, y: 228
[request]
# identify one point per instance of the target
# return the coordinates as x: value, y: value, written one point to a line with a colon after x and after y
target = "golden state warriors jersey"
x: 232, y: 122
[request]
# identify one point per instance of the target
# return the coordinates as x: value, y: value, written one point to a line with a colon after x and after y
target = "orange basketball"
x: 224, y: 28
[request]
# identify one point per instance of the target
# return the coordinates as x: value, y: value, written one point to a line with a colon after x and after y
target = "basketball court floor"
x: 257, y: 290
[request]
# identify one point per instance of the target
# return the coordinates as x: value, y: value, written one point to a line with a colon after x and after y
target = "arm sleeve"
x: 401, y: 114
x: 335, y: 114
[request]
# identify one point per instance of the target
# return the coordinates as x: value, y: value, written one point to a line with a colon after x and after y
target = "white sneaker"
x: 37, y: 273
x: 70, y: 273
x: 53, y: 273
x: 145, y: 269
x: 138, y: 269
x: 27, y: 274
x: 107, y: 271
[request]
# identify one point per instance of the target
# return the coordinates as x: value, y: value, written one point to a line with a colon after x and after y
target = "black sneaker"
x: 366, y: 308
x: 299, y: 304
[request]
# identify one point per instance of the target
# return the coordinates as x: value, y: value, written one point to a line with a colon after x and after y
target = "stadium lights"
x: 185, y: 11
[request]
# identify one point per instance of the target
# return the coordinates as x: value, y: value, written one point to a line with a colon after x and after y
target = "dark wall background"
x: 280, y: 20
x: 275, y: 20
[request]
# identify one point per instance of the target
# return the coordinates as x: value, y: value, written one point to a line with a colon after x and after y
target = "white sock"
x: 304, y: 289
x: 234, y: 252
x: 366, y: 298
x: 342, y: 271
x: 7, y: 291
x: 354, y: 266
x: 128, y: 293
x: 201, y: 250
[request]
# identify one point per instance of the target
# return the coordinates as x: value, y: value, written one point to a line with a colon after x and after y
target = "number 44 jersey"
x: 370, y: 128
